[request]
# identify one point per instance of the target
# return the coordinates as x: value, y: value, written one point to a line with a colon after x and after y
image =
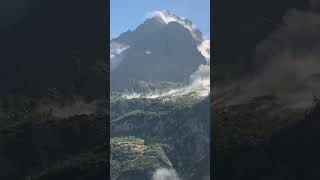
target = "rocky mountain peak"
x: 154, y: 51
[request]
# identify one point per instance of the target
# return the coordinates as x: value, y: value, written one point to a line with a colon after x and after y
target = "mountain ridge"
x: 162, y: 46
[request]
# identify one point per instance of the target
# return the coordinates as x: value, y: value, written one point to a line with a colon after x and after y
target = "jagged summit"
x: 165, y: 47
x: 167, y: 17
x: 159, y: 19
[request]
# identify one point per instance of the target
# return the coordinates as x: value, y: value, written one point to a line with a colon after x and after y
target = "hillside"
x: 178, y: 124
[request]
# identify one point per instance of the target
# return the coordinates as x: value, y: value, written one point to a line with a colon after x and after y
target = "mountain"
x: 157, y: 50
x: 160, y: 118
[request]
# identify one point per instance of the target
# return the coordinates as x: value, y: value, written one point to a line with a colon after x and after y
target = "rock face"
x: 155, y: 51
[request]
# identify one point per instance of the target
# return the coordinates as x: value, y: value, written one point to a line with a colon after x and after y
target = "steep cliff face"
x: 155, y: 51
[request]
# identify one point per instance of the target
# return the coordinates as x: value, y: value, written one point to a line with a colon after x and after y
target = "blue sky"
x: 128, y: 14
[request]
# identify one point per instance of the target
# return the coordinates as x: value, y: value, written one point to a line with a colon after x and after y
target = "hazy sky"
x: 127, y: 14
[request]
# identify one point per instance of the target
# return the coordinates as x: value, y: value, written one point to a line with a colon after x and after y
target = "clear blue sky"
x: 128, y: 14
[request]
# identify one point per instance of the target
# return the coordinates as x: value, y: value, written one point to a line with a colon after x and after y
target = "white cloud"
x: 168, y: 17
x: 204, y: 49
x: 163, y: 15
x: 117, y: 53
x: 132, y: 96
x: 165, y: 174
x: 199, y: 80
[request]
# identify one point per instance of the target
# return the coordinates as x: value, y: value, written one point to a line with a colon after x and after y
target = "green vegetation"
x: 130, y: 154
x: 171, y: 128
x: 184, y: 101
x: 138, y: 113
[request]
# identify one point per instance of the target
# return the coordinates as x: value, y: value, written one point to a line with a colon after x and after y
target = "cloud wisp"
x: 167, y: 17
x: 165, y: 174
x: 117, y: 53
